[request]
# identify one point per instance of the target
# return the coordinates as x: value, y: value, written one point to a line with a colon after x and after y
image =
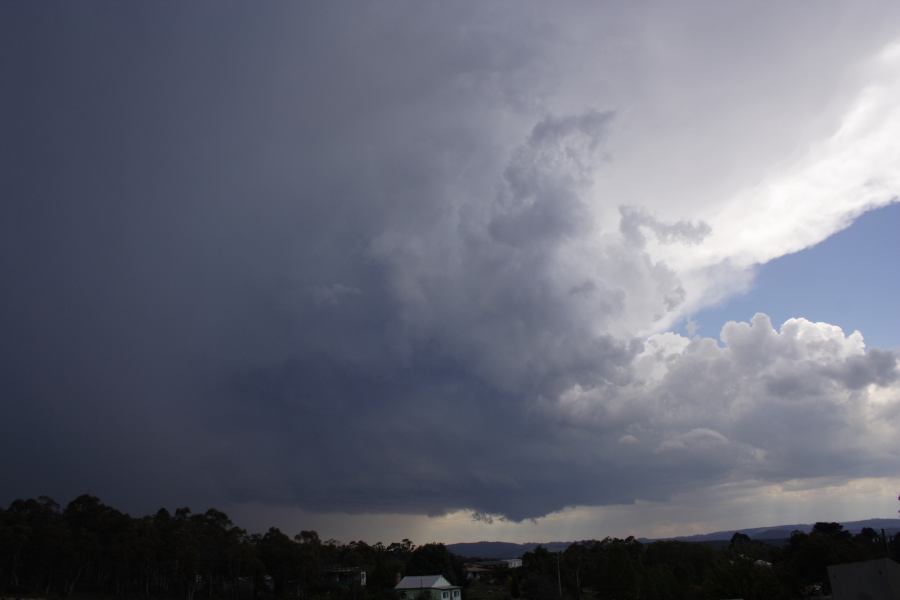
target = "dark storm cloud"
x: 195, y: 200
x: 541, y: 203
x: 346, y: 258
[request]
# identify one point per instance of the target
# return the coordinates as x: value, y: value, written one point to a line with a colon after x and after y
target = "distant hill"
x: 781, y: 532
x: 498, y: 550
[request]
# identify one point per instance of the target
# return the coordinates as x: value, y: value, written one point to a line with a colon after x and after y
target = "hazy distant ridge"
x: 784, y: 531
x: 510, y: 550
x: 502, y: 549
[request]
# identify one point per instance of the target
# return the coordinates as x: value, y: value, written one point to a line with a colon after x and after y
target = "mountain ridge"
x: 502, y: 550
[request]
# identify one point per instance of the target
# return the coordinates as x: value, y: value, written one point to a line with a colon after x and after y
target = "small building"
x: 475, y: 571
x: 877, y: 579
x: 346, y: 576
x: 434, y: 587
x: 490, y: 569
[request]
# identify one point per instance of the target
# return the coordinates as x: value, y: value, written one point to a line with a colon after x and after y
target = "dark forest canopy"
x: 91, y: 549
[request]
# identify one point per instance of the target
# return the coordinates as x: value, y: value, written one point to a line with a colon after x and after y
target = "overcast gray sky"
x: 412, y: 269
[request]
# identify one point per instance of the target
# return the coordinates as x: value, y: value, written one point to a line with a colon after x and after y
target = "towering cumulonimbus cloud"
x: 425, y: 258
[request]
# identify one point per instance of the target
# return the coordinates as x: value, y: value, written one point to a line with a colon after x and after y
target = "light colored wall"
x: 433, y: 593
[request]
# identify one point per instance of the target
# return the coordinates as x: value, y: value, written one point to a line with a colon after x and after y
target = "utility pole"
x: 558, y: 576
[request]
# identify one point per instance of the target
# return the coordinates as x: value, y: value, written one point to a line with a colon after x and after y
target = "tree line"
x: 91, y: 549
x: 675, y: 570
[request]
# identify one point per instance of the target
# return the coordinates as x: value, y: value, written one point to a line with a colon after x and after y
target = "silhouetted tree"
x: 434, y: 559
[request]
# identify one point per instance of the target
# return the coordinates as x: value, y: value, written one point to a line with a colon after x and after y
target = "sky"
x: 846, y: 280
x: 453, y: 271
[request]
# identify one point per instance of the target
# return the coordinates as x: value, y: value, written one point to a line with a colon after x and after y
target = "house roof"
x: 419, y: 582
x: 877, y: 578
